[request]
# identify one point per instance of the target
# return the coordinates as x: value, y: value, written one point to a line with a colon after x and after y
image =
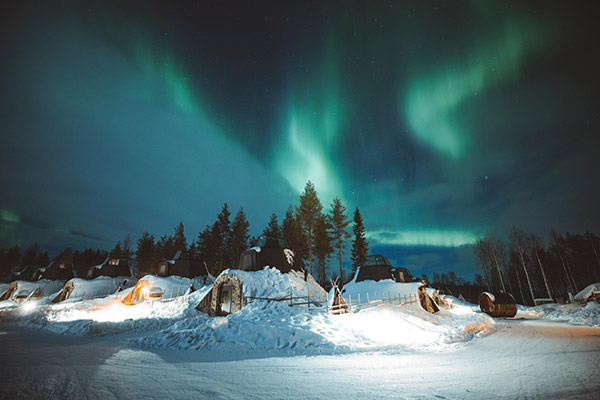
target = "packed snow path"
x: 524, y: 359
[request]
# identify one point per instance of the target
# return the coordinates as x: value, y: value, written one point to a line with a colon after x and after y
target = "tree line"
x: 315, y: 236
x: 529, y: 267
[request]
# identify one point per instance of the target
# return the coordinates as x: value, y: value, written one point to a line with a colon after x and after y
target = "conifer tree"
x: 207, y: 248
x: 272, y: 229
x: 323, y: 246
x: 31, y: 255
x: 165, y: 247
x: 145, y: 253
x: 179, y: 240
x: 308, y: 211
x: 293, y: 234
x: 240, y: 229
x: 65, y: 256
x: 360, y: 246
x: 127, y: 251
x: 116, y: 252
x: 221, y: 234
x: 339, y: 223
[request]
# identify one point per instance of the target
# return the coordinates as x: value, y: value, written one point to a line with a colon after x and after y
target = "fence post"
x: 291, y: 296
x: 308, y: 302
x: 359, y: 302
x: 350, y: 301
x: 368, y: 300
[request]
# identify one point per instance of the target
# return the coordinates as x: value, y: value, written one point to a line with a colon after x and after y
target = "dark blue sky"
x: 439, y: 120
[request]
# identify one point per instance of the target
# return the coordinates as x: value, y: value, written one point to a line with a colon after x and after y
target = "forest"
x: 523, y: 265
x: 531, y: 268
x: 315, y: 235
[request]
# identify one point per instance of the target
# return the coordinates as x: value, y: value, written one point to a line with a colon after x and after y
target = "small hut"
x: 181, y: 265
x: 226, y: 296
x: 377, y: 268
x: 501, y: 305
x: 111, y: 267
x: 58, y: 271
x: 270, y: 252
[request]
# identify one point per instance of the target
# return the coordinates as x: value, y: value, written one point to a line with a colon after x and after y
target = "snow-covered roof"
x: 588, y: 291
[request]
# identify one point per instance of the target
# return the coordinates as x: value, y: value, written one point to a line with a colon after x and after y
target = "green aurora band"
x: 433, y: 101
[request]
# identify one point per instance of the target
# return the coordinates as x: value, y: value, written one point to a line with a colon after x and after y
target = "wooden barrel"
x: 500, y: 305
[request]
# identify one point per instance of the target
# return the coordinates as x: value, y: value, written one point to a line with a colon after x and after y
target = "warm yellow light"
x: 144, y: 292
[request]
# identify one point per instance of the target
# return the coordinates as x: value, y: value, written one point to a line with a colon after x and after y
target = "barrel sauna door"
x: 225, y: 299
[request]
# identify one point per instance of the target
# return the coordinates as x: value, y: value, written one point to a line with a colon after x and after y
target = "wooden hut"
x: 226, y: 296
x: 501, y: 305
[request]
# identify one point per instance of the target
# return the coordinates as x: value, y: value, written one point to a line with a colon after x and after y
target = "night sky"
x: 440, y: 120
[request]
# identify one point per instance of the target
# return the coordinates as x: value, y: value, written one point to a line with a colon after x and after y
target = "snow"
x: 523, y: 359
x: 490, y: 295
x: 376, y: 290
x: 98, y: 287
x: 167, y: 349
x: 588, y: 291
x: 574, y: 313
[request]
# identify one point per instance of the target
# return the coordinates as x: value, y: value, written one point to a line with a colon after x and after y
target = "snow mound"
x: 276, y: 327
x: 376, y: 290
x: 93, y: 288
x: 574, y: 313
x: 272, y: 283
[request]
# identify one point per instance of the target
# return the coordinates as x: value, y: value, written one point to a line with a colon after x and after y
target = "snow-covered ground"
x: 269, y: 349
x: 523, y: 359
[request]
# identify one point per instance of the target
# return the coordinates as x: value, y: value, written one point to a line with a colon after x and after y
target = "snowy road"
x: 524, y: 359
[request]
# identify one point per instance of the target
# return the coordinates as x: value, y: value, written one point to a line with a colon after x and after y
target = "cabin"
x: 28, y: 273
x: 57, y: 271
x: 181, y: 265
x: 377, y: 268
x: 111, y: 267
x: 270, y: 252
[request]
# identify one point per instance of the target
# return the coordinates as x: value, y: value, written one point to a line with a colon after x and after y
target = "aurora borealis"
x: 439, y: 120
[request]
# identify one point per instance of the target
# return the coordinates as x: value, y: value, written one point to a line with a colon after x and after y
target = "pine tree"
x: 145, y: 253
x: 360, y: 246
x: 240, y: 229
x: 272, y: 229
x: 179, y: 240
x: 127, y: 252
x: 117, y: 252
x: 293, y: 234
x: 165, y: 248
x: 221, y: 234
x: 31, y: 255
x: 308, y: 211
x: 323, y: 246
x: 65, y: 256
x: 339, y: 223
x: 207, y: 248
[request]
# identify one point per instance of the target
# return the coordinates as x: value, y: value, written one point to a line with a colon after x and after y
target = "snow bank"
x: 267, y: 326
x: 574, y: 313
x: 272, y: 283
x: 102, y: 286
x: 376, y: 290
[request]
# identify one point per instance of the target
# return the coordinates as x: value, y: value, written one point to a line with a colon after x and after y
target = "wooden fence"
x: 307, y: 300
x: 393, y: 299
